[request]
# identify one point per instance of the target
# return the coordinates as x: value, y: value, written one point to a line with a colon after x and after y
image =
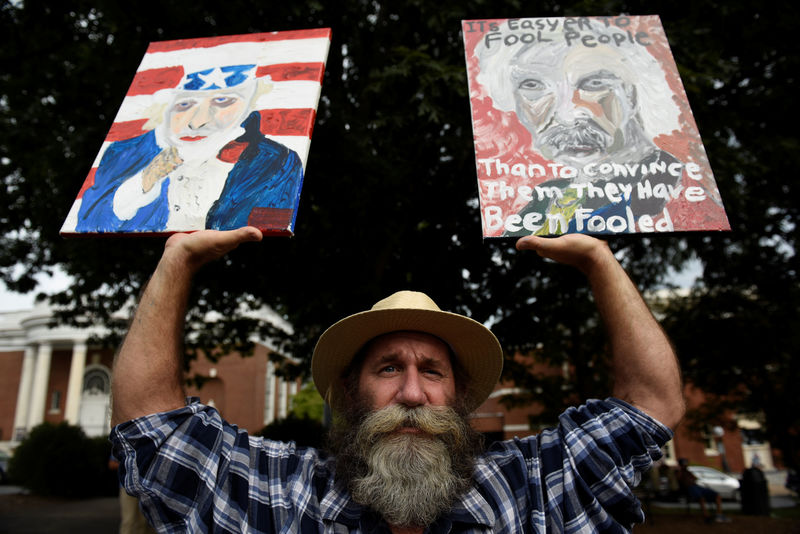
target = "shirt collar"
x: 471, y: 508
x: 337, y: 506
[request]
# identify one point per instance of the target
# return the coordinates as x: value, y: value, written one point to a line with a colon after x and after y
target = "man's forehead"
x: 427, y: 343
x: 574, y: 63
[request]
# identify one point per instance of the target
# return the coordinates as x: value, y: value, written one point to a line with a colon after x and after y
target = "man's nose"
x: 411, y: 392
x: 201, y: 116
x: 568, y: 106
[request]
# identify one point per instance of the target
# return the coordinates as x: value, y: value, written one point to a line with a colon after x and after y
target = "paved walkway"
x: 28, y: 514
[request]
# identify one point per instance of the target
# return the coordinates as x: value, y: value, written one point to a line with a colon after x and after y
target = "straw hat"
x: 476, y: 348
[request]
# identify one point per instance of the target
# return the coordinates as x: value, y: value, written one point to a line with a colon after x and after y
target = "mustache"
x: 439, y: 421
x: 584, y: 134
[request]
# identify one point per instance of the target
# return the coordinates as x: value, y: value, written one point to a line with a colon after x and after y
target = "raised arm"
x: 147, y: 375
x: 646, y: 372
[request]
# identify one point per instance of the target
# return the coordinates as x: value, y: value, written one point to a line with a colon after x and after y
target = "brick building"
x: 55, y: 375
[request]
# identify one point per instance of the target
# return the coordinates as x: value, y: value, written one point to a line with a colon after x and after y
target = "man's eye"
x: 183, y: 105
x: 223, y: 101
x: 594, y: 84
x: 531, y: 84
x: 389, y: 369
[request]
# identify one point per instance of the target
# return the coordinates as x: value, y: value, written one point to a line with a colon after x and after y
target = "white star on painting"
x: 215, y: 77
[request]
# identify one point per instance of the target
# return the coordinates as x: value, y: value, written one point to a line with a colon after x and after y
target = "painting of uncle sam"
x: 582, y: 125
x: 213, y: 133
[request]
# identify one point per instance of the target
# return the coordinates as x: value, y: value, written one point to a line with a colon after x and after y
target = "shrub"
x: 59, y: 460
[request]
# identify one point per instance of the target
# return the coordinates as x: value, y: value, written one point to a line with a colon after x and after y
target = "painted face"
x: 199, y: 117
x: 576, y: 104
x: 194, y: 117
x: 408, y: 368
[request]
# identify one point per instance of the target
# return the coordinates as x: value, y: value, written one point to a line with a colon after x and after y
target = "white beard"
x: 198, y: 182
x: 409, y: 482
x: 206, y: 148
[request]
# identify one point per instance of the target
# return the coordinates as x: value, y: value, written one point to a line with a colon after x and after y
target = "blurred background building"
x: 57, y: 375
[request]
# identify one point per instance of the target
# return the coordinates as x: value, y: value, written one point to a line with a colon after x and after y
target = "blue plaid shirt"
x: 193, y: 472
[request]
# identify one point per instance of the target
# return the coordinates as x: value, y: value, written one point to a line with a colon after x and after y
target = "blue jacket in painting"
x: 266, y: 175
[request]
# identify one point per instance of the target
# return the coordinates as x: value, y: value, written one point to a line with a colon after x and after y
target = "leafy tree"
x: 389, y: 198
x: 307, y: 404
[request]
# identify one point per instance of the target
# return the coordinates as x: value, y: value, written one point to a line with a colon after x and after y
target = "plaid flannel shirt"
x: 193, y: 472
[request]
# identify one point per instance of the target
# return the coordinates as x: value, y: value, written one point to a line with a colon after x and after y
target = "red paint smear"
x: 230, y: 153
x: 272, y: 220
x: 287, y: 121
x: 209, y: 42
x: 89, y: 182
x: 149, y: 81
x: 293, y: 71
x: 126, y: 130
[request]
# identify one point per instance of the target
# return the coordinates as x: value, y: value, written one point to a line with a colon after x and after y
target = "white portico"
x: 50, y: 374
x: 57, y: 375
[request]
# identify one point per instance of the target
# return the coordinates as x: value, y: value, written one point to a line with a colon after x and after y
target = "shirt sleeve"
x: 600, y: 450
x: 194, y: 472
x: 581, y: 474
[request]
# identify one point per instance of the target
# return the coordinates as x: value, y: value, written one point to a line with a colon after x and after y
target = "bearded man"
x: 402, y: 378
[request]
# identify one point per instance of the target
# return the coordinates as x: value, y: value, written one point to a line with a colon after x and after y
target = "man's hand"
x: 196, y: 249
x: 580, y: 251
x: 164, y: 163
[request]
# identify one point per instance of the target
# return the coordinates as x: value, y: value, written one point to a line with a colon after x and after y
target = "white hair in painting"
x: 632, y: 62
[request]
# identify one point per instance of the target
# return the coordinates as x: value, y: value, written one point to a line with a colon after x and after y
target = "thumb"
x: 530, y: 242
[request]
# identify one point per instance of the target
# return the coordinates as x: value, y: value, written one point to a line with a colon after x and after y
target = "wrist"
x: 176, y: 266
x: 598, y: 259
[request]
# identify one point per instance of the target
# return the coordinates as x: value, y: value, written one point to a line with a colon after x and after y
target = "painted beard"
x: 408, y: 464
x: 582, y: 139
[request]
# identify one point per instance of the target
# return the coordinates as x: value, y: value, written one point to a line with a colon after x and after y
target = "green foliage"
x: 307, y: 404
x: 59, y: 460
x: 389, y: 200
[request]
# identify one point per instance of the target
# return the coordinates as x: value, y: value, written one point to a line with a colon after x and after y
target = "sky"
x: 11, y: 301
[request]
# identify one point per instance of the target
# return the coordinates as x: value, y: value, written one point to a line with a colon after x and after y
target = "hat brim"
x: 474, y: 345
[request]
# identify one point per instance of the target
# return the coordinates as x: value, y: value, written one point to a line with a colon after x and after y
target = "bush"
x: 59, y: 460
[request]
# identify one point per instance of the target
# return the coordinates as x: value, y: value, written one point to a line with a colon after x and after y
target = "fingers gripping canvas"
x: 213, y: 133
x: 583, y: 125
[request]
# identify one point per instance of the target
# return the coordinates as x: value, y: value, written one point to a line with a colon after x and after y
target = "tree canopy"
x: 389, y: 200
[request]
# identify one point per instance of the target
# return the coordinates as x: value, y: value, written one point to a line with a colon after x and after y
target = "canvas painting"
x: 582, y: 125
x: 212, y: 133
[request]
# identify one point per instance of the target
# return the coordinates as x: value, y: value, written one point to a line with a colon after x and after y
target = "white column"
x: 41, y: 379
x: 269, y: 395
x: 24, y: 392
x: 75, y: 384
x: 283, y: 398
